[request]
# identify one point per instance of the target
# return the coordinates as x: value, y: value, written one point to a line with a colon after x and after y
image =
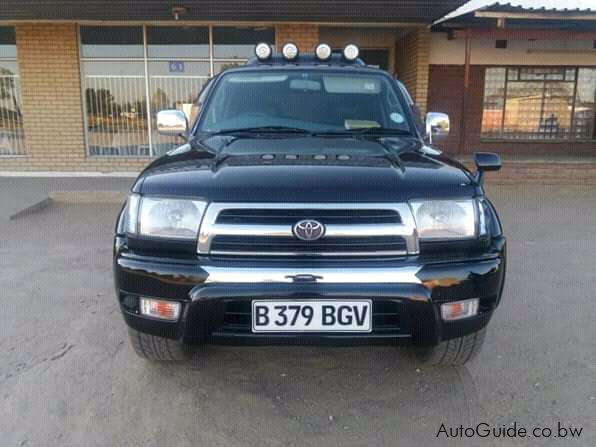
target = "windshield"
x: 311, y: 100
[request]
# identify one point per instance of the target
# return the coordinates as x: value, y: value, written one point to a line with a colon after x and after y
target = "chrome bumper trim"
x: 405, y: 275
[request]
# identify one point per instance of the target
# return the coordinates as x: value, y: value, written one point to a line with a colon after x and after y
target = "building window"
x: 114, y: 90
x: 12, y: 137
x: 112, y: 42
x: 178, y: 66
x: 132, y: 72
x: 539, y: 103
x: 238, y: 42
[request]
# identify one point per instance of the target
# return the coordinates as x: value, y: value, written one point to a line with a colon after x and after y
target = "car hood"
x: 325, y: 170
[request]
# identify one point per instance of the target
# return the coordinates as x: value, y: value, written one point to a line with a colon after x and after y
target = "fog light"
x: 263, y: 51
x: 323, y: 52
x: 164, y: 310
x: 130, y: 303
x: 289, y: 51
x: 459, y: 309
x: 351, y: 52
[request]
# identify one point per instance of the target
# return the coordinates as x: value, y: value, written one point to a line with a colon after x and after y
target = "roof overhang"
x: 536, y: 15
x: 260, y: 11
x: 523, y: 34
x: 523, y: 14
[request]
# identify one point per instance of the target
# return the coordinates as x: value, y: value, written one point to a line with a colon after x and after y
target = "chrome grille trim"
x: 406, y: 229
x: 311, y: 253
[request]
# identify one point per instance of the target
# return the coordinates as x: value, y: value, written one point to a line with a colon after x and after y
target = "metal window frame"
x: 16, y: 152
x: 211, y: 60
x: 570, y: 138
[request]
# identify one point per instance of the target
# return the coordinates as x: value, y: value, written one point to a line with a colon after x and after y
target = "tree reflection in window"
x: 539, y: 103
x: 127, y: 69
x: 116, y: 108
x: 12, y: 137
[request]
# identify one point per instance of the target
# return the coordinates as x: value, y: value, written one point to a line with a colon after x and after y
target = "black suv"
x: 308, y: 206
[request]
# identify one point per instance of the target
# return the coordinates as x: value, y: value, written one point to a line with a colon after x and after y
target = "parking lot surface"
x: 68, y: 376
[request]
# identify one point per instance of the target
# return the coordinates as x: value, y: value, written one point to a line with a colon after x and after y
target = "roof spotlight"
x: 263, y: 51
x: 351, y: 52
x: 289, y: 51
x: 323, y: 52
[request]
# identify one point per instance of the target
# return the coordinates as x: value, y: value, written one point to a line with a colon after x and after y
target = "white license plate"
x: 312, y: 316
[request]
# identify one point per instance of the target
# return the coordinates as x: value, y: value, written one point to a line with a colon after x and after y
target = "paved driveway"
x: 69, y: 378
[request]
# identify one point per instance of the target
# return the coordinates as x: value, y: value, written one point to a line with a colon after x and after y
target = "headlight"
x: 445, y: 219
x: 164, y: 218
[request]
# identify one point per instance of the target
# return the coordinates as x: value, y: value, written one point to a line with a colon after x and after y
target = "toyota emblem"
x: 309, y: 230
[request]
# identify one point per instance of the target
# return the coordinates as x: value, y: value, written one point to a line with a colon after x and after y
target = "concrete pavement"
x: 68, y: 376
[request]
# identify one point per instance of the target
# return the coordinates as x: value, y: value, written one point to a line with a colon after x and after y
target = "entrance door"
x: 378, y: 58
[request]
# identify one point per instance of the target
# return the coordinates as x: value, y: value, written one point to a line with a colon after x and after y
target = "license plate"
x: 312, y: 316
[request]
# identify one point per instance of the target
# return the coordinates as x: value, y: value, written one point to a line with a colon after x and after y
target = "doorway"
x: 378, y: 58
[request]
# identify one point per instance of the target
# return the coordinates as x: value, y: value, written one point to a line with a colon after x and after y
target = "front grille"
x: 326, y: 246
x: 266, y: 229
x: 268, y: 216
x: 385, y: 314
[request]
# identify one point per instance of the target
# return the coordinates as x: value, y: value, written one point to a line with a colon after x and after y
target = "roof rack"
x: 290, y: 55
x: 336, y: 59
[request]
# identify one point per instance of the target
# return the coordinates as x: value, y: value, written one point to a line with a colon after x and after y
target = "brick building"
x: 81, y: 82
x: 522, y: 74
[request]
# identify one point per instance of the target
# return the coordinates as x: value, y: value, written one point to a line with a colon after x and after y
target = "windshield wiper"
x: 260, y: 130
x: 372, y: 131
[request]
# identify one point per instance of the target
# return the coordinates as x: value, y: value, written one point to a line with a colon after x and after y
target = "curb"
x: 87, y: 196
x: 72, y: 197
x: 31, y: 209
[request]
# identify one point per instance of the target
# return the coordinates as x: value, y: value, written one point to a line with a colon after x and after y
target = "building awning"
x: 522, y: 19
x: 309, y: 11
x: 517, y: 8
x: 578, y: 15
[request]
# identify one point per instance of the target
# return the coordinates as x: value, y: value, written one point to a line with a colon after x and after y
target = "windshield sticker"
x: 360, y: 124
x: 397, y: 117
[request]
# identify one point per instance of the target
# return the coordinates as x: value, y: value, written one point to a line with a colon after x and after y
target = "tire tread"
x: 155, y: 348
x: 454, y: 352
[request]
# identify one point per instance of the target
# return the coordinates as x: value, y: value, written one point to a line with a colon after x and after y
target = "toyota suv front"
x: 308, y: 206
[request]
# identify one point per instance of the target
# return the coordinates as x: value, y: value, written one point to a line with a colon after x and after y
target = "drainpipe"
x: 464, y: 105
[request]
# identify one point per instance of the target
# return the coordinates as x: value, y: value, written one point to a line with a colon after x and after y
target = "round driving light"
x: 323, y: 52
x: 351, y: 52
x: 263, y: 51
x: 289, y: 51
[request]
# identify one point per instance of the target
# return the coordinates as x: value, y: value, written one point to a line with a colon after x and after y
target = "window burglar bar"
x: 129, y: 73
x: 116, y: 123
x: 172, y: 92
x: 539, y: 103
x: 12, y: 136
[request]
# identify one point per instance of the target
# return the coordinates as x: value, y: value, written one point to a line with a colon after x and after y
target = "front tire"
x: 155, y: 348
x: 454, y: 352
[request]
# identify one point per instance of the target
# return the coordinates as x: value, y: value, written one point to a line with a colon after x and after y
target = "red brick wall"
x: 412, y: 54
x: 446, y: 90
x: 48, y: 56
x: 303, y: 35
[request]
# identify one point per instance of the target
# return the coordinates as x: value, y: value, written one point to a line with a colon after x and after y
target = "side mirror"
x: 486, y: 161
x: 172, y: 123
x: 436, y: 124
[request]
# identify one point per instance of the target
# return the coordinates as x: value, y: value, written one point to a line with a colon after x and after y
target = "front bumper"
x: 216, y: 296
